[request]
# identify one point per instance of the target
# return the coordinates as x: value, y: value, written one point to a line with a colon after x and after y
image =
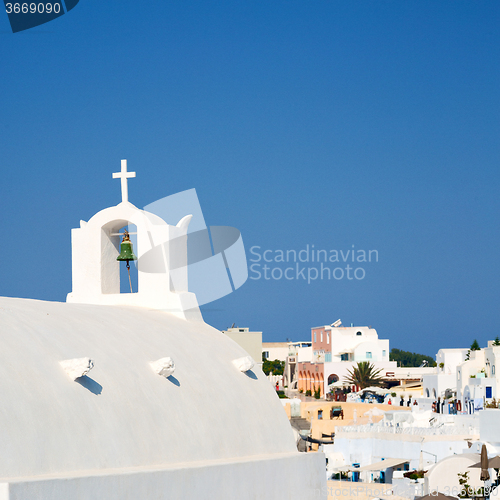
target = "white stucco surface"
x: 288, y: 476
x: 123, y: 414
x: 443, y: 476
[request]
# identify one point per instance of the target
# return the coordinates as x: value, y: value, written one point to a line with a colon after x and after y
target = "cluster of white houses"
x: 464, y: 375
x: 441, y: 441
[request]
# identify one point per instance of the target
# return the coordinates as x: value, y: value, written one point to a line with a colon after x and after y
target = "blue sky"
x: 311, y: 122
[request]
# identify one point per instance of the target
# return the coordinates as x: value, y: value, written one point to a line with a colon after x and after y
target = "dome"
x: 123, y: 414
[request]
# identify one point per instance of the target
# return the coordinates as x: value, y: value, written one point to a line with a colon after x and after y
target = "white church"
x: 119, y: 396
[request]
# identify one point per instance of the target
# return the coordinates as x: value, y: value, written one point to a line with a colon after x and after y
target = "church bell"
x: 126, y: 250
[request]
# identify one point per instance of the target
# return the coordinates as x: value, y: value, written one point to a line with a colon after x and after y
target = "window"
x: 314, y: 336
x: 321, y: 337
x: 359, y: 333
x: 327, y: 337
x: 320, y: 414
x: 493, y: 369
x: 488, y: 392
x: 383, y: 353
x: 328, y: 357
x: 344, y: 357
x: 266, y: 354
x: 368, y: 355
x: 333, y: 378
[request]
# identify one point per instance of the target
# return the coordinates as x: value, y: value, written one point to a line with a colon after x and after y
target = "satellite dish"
x: 337, y: 323
x: 232, y: 326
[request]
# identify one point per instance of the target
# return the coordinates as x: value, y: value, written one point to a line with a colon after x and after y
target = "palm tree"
x: 364, y: 375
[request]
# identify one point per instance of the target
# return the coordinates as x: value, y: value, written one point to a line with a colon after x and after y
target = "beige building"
x: 250, y: 341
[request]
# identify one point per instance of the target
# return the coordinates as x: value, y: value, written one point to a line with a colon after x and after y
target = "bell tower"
x: 161, y: 259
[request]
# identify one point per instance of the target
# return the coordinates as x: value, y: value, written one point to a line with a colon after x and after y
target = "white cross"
x: 124, y: 175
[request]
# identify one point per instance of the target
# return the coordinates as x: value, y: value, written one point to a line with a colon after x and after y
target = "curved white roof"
x: 123, y: 414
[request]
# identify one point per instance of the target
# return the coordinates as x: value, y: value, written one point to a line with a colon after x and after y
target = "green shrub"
x: 308, y: 392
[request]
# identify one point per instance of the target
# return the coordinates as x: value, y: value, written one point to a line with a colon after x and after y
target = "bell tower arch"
x: 161, y: 250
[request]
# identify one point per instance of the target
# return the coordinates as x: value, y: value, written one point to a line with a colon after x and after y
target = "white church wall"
x: 123, y: 416
x: 289, y: 476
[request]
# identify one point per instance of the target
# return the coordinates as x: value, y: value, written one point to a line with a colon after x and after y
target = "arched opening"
x: 333, y: 378
x: 125, y: 284
x: 300, y: 383
x: 114, y: 274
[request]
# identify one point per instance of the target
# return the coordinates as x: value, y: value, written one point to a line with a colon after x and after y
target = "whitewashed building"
x: 275, y: 350
x: 444, y: 376
x: 477, y: 378
x: 343, y: 347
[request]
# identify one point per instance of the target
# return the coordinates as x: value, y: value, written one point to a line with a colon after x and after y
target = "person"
x: 277, y: 387
x: 415, y: 403
x: 434, y: 406
x: 389, y: 402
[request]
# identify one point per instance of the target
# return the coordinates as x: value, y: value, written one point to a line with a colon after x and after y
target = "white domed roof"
x: 123, y: 414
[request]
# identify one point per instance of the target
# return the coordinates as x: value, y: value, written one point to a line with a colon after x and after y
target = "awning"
x: 343, y: 468
x: 383, y: 464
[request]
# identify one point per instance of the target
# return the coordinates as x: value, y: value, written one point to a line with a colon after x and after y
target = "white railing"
x: 416, y: 431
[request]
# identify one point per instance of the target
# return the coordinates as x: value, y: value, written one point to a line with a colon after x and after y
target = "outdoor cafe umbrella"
x: 376, y: 390
x: 493, y: 463
x: 484, y: 464
x: 339, y: 383
x: 485, y: 475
